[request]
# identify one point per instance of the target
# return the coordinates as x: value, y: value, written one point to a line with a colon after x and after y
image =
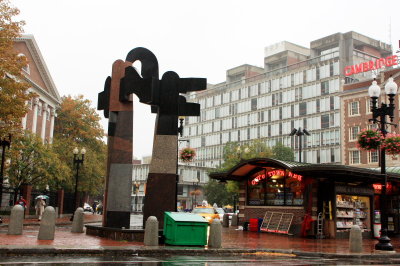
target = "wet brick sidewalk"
x: 231, y: 239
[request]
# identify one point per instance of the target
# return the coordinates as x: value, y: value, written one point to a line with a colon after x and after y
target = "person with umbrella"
x: 40, y: 204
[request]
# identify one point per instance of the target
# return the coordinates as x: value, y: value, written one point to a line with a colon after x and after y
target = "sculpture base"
x: 160, y: 196
x: 130, y: 235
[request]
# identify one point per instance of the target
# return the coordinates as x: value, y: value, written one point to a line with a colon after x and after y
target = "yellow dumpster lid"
x: 186, y: 217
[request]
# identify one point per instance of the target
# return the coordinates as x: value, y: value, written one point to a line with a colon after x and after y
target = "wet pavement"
x: 233, y: 241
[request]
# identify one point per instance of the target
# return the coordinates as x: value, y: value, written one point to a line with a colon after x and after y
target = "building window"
x: 354, y: 157
x: 275, y: 187
x: 373, y: 126
x: 373, y: 157
x: 302, y: 108
x: 254, y: 104
x: 354, y: 133
x: 354, y: 108
x: 325, y: 121
x: 324, y: 88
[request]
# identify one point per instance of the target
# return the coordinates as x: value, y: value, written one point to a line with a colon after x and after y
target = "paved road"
x: 261, y: 259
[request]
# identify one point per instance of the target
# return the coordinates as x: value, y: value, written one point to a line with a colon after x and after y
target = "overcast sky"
x: 80, y: 40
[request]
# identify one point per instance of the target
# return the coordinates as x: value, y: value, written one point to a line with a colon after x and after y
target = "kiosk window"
x: 274, y: 188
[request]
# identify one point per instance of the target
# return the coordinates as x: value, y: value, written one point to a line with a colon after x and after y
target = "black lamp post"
x: 4, y: 144
x: 300, y: 133
x: 374, y: 92
x: 77, y: 162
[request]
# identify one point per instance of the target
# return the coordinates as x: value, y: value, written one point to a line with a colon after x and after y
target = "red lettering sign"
x: 272, y: 173
x: 371, y: 65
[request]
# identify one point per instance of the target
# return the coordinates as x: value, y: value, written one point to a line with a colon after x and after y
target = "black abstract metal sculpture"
x: 166, y: 100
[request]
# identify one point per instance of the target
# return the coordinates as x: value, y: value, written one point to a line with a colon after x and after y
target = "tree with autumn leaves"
x: 13, y: 88
x: 34, y: 162
x: 77, y: 125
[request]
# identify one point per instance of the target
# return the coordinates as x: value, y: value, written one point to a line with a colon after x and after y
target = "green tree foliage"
x: 13, y: 88
x: 281, y: 152
x: 216, y: 192
x: 77, y: 125
x: 35, y: 163
x: 234, y: 153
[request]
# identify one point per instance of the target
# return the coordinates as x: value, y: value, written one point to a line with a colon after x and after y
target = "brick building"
x: 355, y: 103
x: 41, y: 114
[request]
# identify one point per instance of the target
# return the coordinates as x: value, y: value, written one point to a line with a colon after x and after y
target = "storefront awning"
x: 339, y: 173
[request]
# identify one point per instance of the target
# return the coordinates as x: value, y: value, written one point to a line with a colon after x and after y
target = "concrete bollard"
x: 215, y: 237
x: 151, y: 232
x: 77, y: 223
x: 47, y: 224
x: 234, y: 221
x: 225, y: 220
x: 16, y: 220
x: 355, y: 239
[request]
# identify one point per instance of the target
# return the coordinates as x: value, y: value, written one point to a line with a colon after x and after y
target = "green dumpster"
x: 186, y: 229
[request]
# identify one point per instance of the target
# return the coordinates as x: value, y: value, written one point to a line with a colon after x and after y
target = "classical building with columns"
x: 41, y: 114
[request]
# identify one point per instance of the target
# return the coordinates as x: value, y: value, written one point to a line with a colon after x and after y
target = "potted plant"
x: 187, y: 154
x: 392, y: 144
x: 369, y: 139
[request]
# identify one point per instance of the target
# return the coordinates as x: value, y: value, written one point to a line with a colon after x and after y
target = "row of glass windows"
x: 355, y: 157
x: 326, y: 120
x: 260, y: 89
x: 329, y: 137
x: 140, y: 173
x: 316, y: 139
x: 208, y: 156
x: 314, y: 106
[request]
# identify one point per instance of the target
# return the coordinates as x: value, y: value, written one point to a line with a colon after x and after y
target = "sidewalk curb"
x: 152, y: 251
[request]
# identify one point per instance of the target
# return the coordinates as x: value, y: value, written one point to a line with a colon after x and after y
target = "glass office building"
x: 298, y: 87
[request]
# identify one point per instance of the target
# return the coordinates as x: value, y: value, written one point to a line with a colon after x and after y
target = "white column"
x: 34, y: 121
x: 52, y: 116
x: 24, y: 121
x: 44, y: 114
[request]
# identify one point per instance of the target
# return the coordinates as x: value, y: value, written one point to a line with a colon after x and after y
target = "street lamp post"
x: 374, y: 92
x: 300, y: 133
x: 4, y: 144
x: 195, y: 184
x: 77, y: 162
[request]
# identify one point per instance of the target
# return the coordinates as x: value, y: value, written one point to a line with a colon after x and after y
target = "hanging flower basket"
x: 369, y: 139
x: 392, y: 144
x: 187, y: 154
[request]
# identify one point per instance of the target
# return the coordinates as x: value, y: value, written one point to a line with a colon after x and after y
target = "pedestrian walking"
x: 40, y: 204
x: 22, y: 202
x: 94, y: 206
x: 100, y: 208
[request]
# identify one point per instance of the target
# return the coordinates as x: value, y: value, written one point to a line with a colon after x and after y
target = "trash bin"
x: 253, y: 225
x: 186, y: 229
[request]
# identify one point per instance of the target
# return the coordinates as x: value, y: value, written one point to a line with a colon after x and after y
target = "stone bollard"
x: 16, y: 220
x: 77, y: 223
x: 47, y: 224
x: 225, y: 220
x: 234, y: 221
x: 151, y: 232
x: 215, y: 237
x: 355, y: 240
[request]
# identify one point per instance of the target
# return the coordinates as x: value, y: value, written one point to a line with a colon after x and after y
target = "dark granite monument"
x: 165, y: 100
